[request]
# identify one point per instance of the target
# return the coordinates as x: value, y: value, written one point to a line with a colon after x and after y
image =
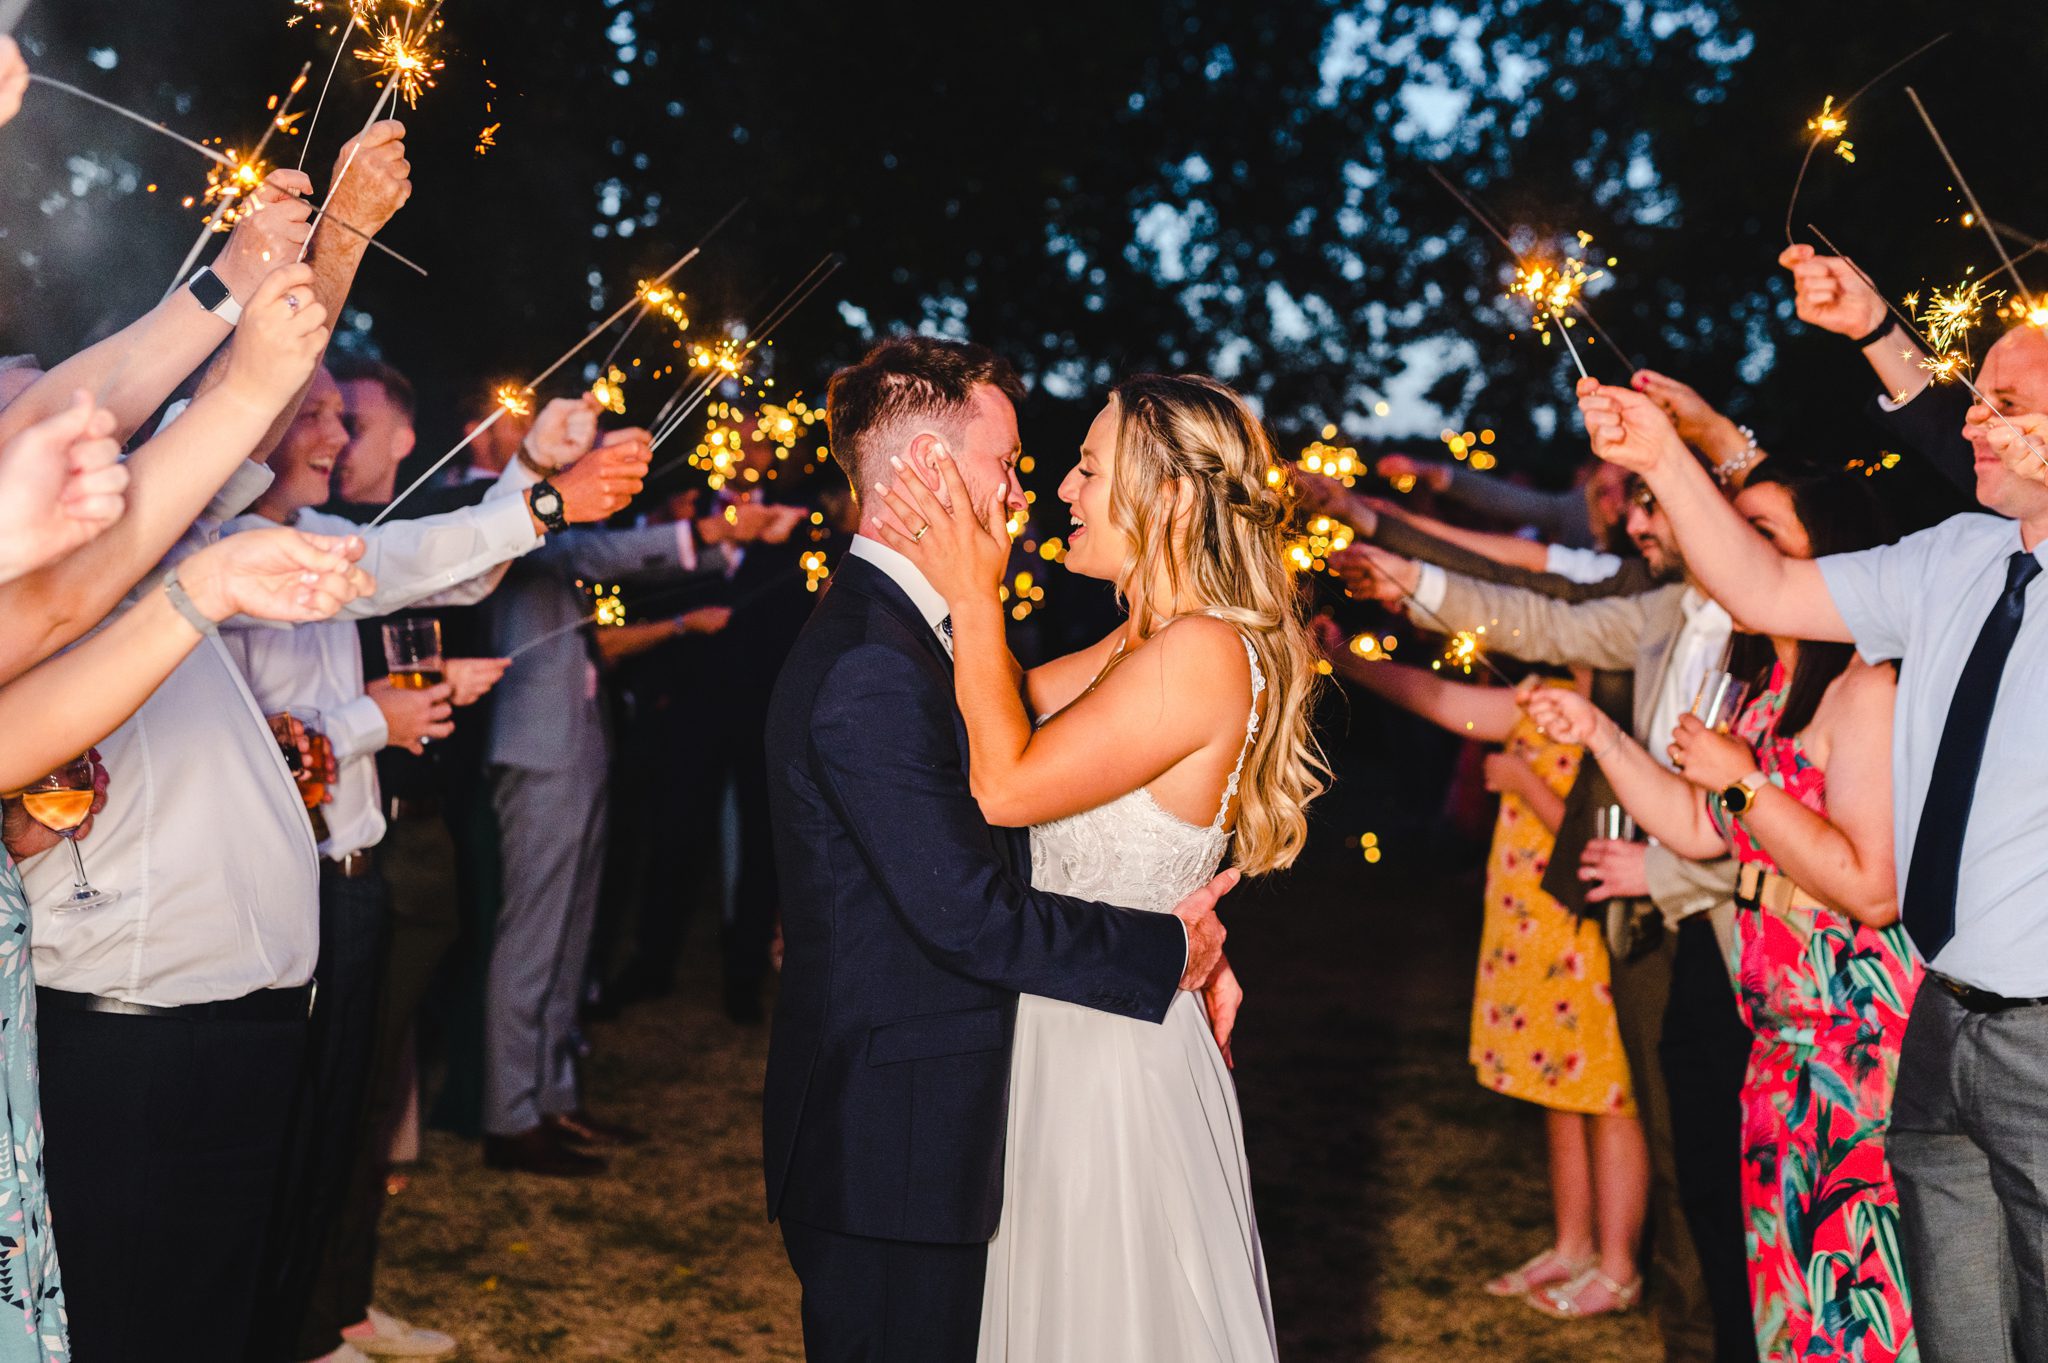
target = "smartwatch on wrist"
x: 1882, y: 330
x: 214, y: 295
x: 1742, y: 795
x: 545, y: 500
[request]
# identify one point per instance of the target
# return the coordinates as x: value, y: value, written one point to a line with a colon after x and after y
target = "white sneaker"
x: 391, y: 1337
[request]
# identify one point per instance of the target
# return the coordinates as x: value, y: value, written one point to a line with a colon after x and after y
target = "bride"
x: 1127, y: 1232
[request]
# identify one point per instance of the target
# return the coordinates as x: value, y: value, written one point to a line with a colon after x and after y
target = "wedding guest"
x: 1686, y: 1042
x: 456, y: 559
x: 1801, y: 794
x: 1924, y: 417
x: 549, y: 753
x: 1543, y: 1023
x: 1970, y: 1119
x: 173, y: 1020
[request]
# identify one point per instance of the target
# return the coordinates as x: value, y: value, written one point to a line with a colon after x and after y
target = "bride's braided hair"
x: 1199, y: 487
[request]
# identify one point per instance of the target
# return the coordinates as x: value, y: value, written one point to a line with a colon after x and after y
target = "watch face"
x: 547, y: 502
x: 207, y: 288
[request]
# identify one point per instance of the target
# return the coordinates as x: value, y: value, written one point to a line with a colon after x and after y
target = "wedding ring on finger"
x: 291, y: 300
x: 917, y: 535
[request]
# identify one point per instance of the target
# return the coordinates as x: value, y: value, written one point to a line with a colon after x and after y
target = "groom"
x: 909, y: 924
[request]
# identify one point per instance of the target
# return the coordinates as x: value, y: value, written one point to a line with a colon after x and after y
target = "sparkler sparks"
x: 815, y: 571
x: 402, y: 60
x: 514, y: 399
x: 1951, y: 315
x: 1464, y: 650
x: 1340, y: 462
x: 1552, y: 291
x: 607, y: 610
x: 610, y: 390
x: 1830, y: 123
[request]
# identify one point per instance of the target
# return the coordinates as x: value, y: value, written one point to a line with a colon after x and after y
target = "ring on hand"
x: 291, y: 300
x: 917, y: 535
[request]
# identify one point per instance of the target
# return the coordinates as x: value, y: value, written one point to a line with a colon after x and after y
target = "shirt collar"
x: 904, y: 574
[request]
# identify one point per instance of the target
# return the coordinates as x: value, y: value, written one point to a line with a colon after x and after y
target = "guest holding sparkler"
x: 1969, y: 1128
x: 1801, y: 794
x: 1584, y: 516
x: 549, y: 754
x: 1686, y: 1043
x: 1543, y: 1024
x: 456, y: 558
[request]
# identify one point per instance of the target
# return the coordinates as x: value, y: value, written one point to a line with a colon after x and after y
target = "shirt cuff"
x: 1187, y: 945
x: 506, y: 528
x: 513, y: 482
x: 1430, y: 587
x: 686, y: 545
x: 357, y: 729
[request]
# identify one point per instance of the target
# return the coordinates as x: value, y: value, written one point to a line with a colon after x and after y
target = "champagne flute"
x: 1613, y: 823
x: 62, y: 802
x: 1718, y: 703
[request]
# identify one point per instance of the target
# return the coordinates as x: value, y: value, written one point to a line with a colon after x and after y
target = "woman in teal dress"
x: 32, y: 1324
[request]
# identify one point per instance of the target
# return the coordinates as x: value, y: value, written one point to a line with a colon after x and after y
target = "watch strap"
x: 1882, y: 330
x: 214, y: 295
x: 181, y: 602
x: 539, y: 496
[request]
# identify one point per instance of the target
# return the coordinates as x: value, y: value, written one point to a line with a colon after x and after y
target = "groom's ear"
x: 924, y: 453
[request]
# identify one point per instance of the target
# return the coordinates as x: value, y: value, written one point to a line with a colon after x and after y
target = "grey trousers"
x: 551, y: 828
x: 1969, y: 1152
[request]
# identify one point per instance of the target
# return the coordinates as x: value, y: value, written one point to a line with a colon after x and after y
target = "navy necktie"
x: 1929, y: 907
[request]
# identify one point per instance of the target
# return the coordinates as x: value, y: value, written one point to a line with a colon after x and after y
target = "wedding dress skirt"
x: 1127, y: 1233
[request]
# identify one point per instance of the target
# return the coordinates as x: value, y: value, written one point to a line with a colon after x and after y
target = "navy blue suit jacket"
x: 909, y: 929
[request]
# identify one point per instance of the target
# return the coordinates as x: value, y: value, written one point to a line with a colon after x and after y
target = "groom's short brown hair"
x: 906, y: 379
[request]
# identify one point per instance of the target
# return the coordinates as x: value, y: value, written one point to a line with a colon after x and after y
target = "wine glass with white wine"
x: 62, y: 802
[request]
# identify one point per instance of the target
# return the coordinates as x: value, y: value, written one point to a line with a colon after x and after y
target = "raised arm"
x: 60, y: 708
x: 1486, y: 713
x: 1662, y: 802
x: 140, y: 366
x: 172, y: 478
x: 882, y: 735
x: 1766, y: 592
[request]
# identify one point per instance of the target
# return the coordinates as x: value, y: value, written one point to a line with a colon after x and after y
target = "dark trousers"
x: 886, y: 1301
x: 1705, y: 1054
x: 326, y: 1124
x: 1969, y: 1152
x: 756, y: 893
x: 164, y: 1137
x: 419, y: 866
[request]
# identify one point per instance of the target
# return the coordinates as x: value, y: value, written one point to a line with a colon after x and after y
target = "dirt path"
x: 1388, y: 1182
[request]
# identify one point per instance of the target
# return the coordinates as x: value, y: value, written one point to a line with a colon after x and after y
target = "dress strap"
x: 1251, y: 731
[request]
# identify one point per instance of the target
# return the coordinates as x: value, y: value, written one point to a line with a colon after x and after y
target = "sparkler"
x: 1831, y: 122
x: 1958, y: 372
x: 230, y: 189
x: 727, y: 362
x: 517, y: 399
x: 2021, y: 294
x: 406, y: 67
x: 1951, y: 316
x: 607, y: 612
x: 360, y: 15
x: 655, y: 297
x: 1552, y: 291
x: 1576, y: 303
x: 209, y: 153
x: 610, y: 390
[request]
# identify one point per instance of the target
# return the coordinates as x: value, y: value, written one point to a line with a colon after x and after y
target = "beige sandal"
x: 1544, y: 1270
x: 1569, y: 1302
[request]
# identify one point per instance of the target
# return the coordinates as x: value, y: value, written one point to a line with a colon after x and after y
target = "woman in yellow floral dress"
x: 1543, y: 1026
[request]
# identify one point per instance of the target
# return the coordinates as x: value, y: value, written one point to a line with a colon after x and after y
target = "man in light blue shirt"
x: 1961, y: 608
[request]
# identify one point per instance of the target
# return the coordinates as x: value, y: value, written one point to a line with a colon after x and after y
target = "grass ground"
x: 1388, y: 1183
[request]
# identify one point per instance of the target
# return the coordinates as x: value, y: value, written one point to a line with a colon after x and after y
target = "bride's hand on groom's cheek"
x: 961, y: 549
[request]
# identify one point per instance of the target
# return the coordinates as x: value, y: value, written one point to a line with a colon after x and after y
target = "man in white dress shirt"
x: 453, y: 559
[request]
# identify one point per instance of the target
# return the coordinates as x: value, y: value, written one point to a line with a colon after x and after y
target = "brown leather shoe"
x: 540, y: 1150
x: 579, y: 1128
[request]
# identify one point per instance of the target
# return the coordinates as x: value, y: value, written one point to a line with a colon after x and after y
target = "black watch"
x: 546, y: 501
x: 1740, y: 796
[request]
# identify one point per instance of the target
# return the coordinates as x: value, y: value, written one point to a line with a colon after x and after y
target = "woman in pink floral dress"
x: 1800, y: 793
x: 1543, y: 1024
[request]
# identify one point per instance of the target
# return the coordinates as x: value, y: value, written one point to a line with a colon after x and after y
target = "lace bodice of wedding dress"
x: 1131, y: 852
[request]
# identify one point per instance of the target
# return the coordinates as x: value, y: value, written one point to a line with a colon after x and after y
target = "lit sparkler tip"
x: 610, y: 390
x: 402, y: 60
x: 516, y: 399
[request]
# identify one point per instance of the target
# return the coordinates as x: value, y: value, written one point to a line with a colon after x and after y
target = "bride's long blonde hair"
x: 1207, y: 525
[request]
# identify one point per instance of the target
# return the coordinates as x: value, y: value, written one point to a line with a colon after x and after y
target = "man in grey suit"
x: 547, y: 768
x: 1686, y: 1043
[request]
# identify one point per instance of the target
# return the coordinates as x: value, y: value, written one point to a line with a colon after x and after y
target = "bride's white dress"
x: 1127, y: 1233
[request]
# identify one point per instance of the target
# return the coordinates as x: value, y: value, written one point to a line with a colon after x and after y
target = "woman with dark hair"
x: 1800, y: 793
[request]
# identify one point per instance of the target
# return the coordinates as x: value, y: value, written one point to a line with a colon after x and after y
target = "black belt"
x: 1977, y: 1000
x: 265, y: 1005
x: 351, y: 866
